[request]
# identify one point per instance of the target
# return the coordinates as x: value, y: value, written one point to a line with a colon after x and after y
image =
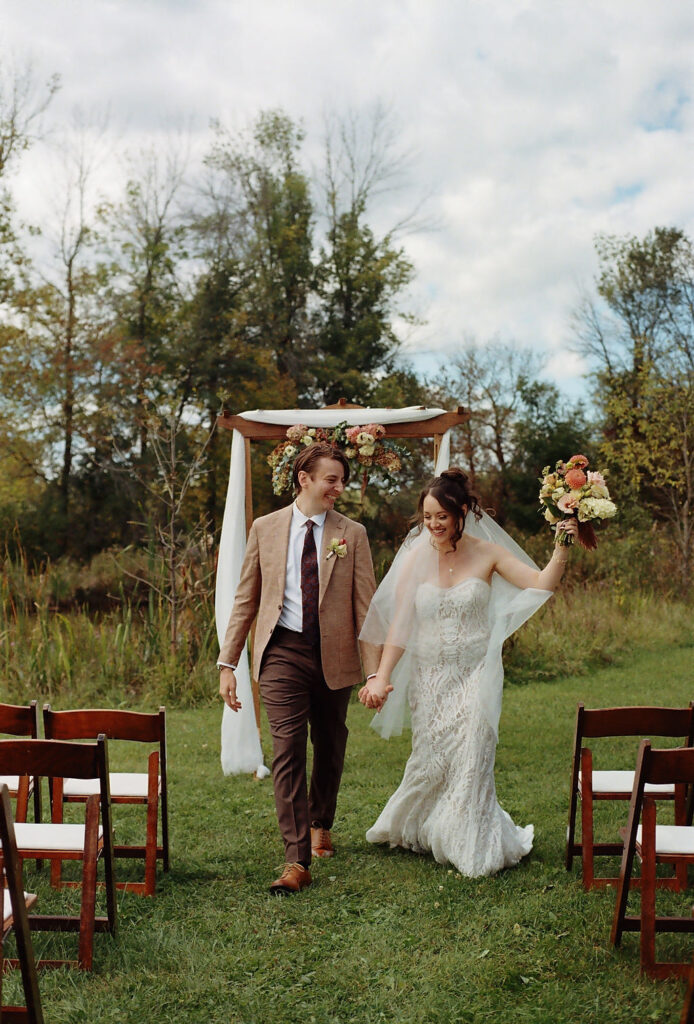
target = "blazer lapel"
x: 333, y: 527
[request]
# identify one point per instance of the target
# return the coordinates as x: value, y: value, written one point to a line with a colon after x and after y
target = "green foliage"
x: 546, y: 429
x: 234, y: 301
x: 358, y: 280
x: 643, y: 353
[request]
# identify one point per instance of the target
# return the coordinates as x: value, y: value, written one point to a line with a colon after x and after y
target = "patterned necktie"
x: 309, y: 585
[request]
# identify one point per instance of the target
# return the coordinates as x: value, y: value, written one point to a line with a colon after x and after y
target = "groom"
x: 308, y: 576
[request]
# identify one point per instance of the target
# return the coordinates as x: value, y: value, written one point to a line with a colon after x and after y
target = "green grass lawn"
x: 381, y: 935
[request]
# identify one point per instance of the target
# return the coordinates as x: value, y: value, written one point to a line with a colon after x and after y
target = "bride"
x: 457, y: 588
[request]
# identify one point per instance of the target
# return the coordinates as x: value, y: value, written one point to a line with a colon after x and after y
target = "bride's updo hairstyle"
x: 452, y: 491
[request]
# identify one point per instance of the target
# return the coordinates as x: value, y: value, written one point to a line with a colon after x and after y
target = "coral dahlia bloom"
x: 575, y: 478
x: 580, y: 461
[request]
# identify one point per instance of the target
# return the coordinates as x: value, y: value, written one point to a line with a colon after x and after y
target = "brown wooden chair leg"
x: 648, y: 887
x: 587, y: 857
x: 573, y: 803
x: 681, y: 872
x: 688, y: 1007
x: 56, y: 873
x: 88, y: 909
x: 56, y: 791
x: 32, y: 1013
x: 152, y: 822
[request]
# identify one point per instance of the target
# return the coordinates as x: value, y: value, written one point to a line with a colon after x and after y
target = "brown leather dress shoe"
x: 294, y: 878
x: 321, y: 843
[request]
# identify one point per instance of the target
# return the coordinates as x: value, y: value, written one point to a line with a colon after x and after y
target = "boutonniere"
x: 337, y: 547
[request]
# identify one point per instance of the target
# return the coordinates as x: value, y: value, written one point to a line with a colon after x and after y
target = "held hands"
x: 227, y: 689
x: 375, y: 693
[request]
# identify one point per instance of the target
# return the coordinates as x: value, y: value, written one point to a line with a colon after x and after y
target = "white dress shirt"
x: 292, y: 609
x: 292, y: 614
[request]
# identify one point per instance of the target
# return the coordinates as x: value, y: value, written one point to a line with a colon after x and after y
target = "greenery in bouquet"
x: 366, y: 448
x: 573, y: 491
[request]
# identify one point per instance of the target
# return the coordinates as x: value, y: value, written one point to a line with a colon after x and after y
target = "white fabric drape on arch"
x: 241, y: 750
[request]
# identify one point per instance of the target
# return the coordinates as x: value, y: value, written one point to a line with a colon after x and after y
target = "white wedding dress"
x: 446, y: 803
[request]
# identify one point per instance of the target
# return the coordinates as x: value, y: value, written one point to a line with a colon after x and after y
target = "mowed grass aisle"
x: 382, y: 935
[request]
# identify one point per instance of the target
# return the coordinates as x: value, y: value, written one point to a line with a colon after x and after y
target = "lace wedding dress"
x: 446, y: 803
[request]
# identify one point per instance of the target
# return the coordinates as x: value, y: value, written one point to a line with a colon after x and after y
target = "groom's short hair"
x: 309, y: 457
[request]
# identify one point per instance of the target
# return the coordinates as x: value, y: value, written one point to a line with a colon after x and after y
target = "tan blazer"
x: 346, y: 587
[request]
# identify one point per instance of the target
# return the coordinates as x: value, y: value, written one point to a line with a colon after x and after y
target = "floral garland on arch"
x: 366, y: 448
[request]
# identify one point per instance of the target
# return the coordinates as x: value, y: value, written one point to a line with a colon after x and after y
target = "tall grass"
x: 101, y: 634
x: 585, y: 628
x: 119, y: 657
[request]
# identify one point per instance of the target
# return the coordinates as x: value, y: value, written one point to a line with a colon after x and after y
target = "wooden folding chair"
x: 590, y: 786
x: 653, y: 845
x: 148, y: 788
x: 57, y: 841
x: 14, y: 917
x: 21, y: 720
x: 688, y: 1006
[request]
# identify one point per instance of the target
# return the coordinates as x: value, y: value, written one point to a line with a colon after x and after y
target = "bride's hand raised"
x: 375, y: 693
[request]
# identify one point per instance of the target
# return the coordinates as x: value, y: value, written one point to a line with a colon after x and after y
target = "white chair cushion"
x: 672, y: 839
x: 11, y: 781
x: 133, y: 784
x: 63, y: 837
x: 623, y: 782
x: 29, y: 900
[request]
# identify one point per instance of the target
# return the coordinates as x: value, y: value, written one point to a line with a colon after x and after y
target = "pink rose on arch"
x: 296, y: 432
x: 352, y: 433
x: 575, y: 478
x: 568, y: 503
x: 376, y: 430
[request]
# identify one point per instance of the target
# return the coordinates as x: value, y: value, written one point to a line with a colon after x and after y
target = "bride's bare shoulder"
x: 480, y: 546
x: 485, y: 550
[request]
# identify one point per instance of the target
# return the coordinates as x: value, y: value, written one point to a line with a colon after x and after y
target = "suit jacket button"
x: 279, y: 607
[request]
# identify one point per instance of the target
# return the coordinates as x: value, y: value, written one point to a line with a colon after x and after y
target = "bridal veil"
x: 392, y: 618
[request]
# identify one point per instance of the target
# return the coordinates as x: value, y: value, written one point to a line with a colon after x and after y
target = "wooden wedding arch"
x: 253, y: 430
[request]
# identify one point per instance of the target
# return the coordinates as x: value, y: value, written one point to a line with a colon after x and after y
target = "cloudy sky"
x: 532, y: 124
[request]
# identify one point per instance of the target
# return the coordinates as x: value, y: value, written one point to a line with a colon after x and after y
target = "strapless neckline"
x: 467, y: 579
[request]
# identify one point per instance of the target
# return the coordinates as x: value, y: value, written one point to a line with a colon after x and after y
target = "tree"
x: 179, y: 460
x: 264, y: 198
x: 489, y: 380
x: 145, y: 236
x: 22, y: 103
x: 640, y: 342
x: 547, y: 428
x: 360, y: 277
x: 54, y: 344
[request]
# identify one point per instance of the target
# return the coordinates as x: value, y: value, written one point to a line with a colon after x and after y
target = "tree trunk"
x: 68, y: 407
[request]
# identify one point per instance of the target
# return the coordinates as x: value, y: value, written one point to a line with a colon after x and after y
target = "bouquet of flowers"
x: 573, y: 491
x: 365, y: 447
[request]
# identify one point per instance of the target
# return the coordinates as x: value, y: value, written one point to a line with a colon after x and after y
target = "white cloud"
x: 535, y: 124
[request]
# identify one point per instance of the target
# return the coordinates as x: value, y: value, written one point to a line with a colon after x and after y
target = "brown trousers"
x: 295, y: 696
